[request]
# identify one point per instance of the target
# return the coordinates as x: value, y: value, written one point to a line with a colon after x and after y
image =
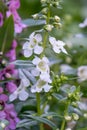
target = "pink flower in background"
x: 11, y: 87
x: 1, y: 19
x: 13, y: 6
x: 12, y: 53
x: 8, y: 112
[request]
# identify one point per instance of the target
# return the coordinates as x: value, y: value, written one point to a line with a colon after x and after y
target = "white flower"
x: 40, y: 85
x: 82, y: 73
x: 45, y: 77
x: 42, y: 65
x: 20, y: 92
x: 33, y: 45
x: 58, y: 46
x: 84, y: 24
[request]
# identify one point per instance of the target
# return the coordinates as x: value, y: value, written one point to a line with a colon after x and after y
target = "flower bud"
x: 44, y: 11
x: 57, y: 25
x: 85, y: 115
x: 35, y: 16
x: 56, y: 18
x: 48, y: 27
x: 68, y: 129
x: 7, y: 75
x: 1, y: 53
x: 75, y: 116
x: 67, y: 117
x: 2, y: 125
x: 43, y: 1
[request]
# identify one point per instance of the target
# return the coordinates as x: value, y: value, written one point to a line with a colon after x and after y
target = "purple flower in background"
x: 12, y: 53
x: 11, y: 87
x: 8, y: 112
x: 13, y: 6
x: 1, y: 19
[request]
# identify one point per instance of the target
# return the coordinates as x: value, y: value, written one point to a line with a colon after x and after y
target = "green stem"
x: 46, y: 33
x: 39, y: 109
x: 64, y: 121
x: 63, y: 124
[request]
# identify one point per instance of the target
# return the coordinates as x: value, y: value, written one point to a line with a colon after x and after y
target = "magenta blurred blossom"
x: 13, y: 6
x: 8, y: 113
x: 11, y: 87
x: 1, y: 90
x: 1, y: 19
x: 12, y: 53
x: 10, y: 69
x: 14, y: 44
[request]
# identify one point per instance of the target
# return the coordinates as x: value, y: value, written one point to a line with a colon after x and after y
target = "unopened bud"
x: 85, y: 115
x: 43, y: 1
x: 7, y: 75
x: 2, y: 125
x: 68, y: 129
x: 75, y: 116
x: 35, y: 16
x: 68, y: 118
x: 44, y: 11
x: 56, y: 18
x: 1, y: 53
x: 48, y: 27
x: 57, y: 25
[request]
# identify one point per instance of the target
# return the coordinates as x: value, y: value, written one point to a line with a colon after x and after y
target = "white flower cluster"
x: 42, y: 70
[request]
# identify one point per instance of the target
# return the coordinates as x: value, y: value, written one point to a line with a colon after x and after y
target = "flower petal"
x: 13, y: 96
x: 26, y: 45
x: 23, y: 95
x: 36, y: 60
x: 38, y: 37
x: 52, y: 40
x: 38, y: 49
x: 47, y: 87
x: 27, y: 53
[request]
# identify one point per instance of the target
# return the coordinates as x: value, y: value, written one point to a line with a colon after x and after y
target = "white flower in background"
x: 84, y: 24
x: 42, y: 65
x: 21, y: 92
x: 82, y: 73
x: 58, y: 46
x: 66, y: 69
x: 40, y: 85
x: 33, y: 45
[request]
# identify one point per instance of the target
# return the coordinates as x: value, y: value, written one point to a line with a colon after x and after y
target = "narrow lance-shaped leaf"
x: 43, y: 120
x: 6, y: 34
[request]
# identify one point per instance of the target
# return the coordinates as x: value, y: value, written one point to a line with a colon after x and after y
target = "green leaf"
x: 6, y: 34
x: 32, y: 22
x: 53, y: 114
x: 43, y: 120
x: 23, y: 64
x: 26, y: 122
x: 59, y: 97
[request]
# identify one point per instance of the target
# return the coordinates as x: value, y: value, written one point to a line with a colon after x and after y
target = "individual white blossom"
x: 84, y: 24
x: 42, y: 65
x: 58, y: 46
x: 33, y: 45
x: 82, y: 73
x: 21, y: 92
x: 40, y: 85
